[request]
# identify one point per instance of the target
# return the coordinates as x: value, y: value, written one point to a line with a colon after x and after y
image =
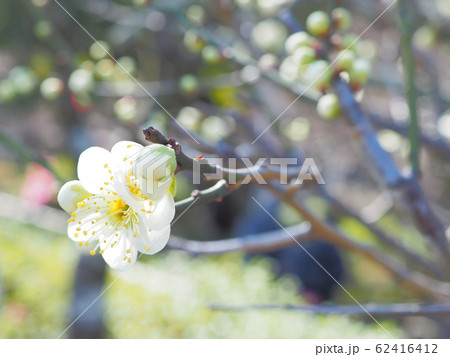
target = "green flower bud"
x: 342, y: 18
x: 304, y: 55
x: 51, y: 88
x: 296, y: 40
x: 328, y: 106
x: 81, y: 81
x: 318, y: 23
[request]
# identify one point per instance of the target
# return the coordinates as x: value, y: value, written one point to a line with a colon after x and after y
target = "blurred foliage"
x: 166, y: 298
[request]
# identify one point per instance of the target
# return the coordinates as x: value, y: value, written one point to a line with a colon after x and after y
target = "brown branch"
x: 415, y: 280
x: 254, y: 243
x: 392, y: 310
x: 266, y: 172
x: 424, y: 217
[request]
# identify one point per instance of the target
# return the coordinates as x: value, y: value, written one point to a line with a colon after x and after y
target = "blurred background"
x: 224, y: 70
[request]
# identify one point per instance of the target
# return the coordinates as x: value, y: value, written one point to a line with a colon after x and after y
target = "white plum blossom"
x: 123, y: 201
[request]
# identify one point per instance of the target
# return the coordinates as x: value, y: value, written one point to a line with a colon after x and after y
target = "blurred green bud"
x: 24, y: 79
x: 81, y: 81
x: 360, y: 72
x: 190, y: 118
x: 342, y: 18
x: 297, y: 40
x: 42, y: 63
x: 7, y: 91
x: 297, y: 129
x: 196, y: 14
x: 193, y: 41
x: 214, y: 128
x: 268, y: 61
x: 425, y: 37
x: 443, y: 125
x: 318, y: 23
x: 349, y: 41
x: 70, y: 194
x: 320, y: 73
x: 211, y: 54
x: 105, y: 69
x: 99, y: 50
x: 125, y: 109
x: 269, y: 35
x: 42, y: 29
x: 366, y: 49
x: 51, y: 88
x: 289, y: 70
x: 141, y: 3
x: 304, y: 55
x: 345, y: 60
x: 271, y: 7
x: 328, y: 106
x: 128, y: 63
x: 188, y: 84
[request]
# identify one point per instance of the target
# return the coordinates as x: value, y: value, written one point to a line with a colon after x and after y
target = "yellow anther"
x: 78, y: 229
x: 106, y: 223
x: 129, y: 260
x: 85, y: 233
x: 125, y: 159
x: 80, y: 244
x: 106, y: 165
x: 128, y: 251
x: 76, y: 235
x: 147, y: 248
x: 101, y: 251
x: 86, y: 244
x: 128, y: 146
x: 92, y: 252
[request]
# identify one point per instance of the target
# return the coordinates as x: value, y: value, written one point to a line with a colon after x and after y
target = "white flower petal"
x: 123, y: 152
x: 87, y: 223
x: 118, y: 251
x: 162, y: 214
x: 70, y: 194
x: 151, y: 242
x: 94, y: 168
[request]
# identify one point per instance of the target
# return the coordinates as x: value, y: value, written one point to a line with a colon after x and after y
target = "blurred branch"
x: 380, y: 234
x: 423, y: 215
x: 391, y: 310
x: 326, y: 230
x: 410, y: 85
x: 249, y: 244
